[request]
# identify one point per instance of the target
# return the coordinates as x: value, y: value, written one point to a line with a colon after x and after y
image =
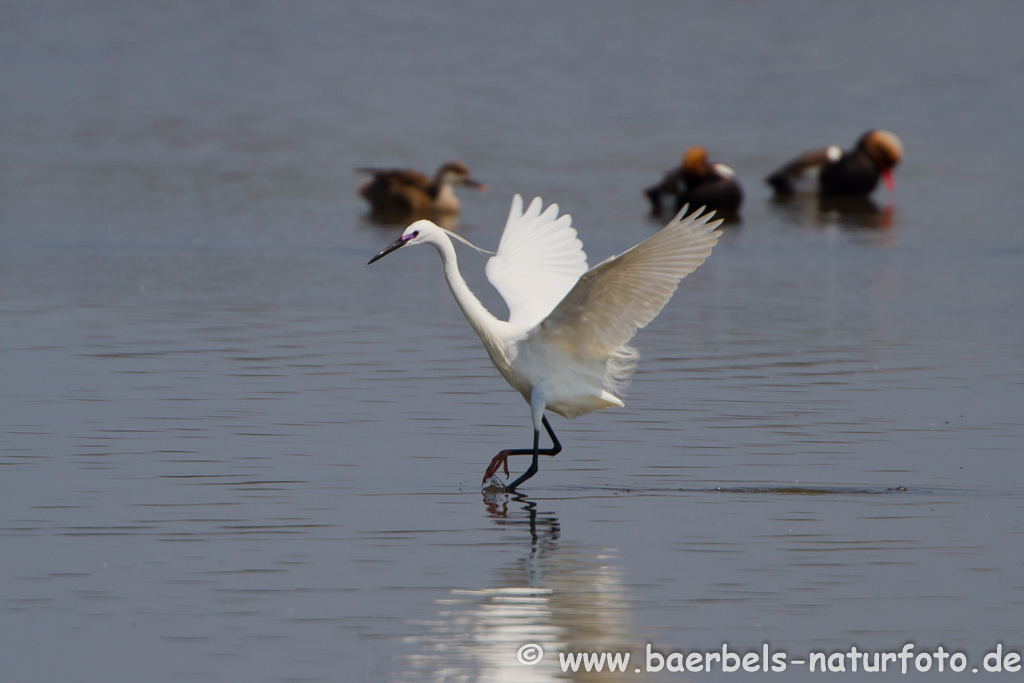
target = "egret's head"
x: 417, y: 233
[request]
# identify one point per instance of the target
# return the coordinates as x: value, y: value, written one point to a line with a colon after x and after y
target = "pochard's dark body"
x: 853, y: 173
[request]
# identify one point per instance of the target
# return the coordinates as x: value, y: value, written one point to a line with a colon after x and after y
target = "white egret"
x: 565, y: 344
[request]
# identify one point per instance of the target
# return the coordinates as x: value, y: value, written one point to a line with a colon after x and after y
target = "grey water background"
x: 230, y: 451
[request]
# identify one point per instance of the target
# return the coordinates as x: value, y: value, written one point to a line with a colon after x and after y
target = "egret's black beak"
x: 400, y: 242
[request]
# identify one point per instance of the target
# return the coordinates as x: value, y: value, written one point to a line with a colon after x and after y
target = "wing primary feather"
x: 614, y: 299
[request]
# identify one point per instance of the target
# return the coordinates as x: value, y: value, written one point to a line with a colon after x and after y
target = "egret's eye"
x: 415, y: 233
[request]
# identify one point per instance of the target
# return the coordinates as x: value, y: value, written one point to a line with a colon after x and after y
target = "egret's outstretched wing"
x: 538, y: 261
x: 618, y: 296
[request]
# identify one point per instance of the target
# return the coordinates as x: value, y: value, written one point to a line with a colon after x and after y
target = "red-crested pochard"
x: 851, y: 173
x: 699, y: 183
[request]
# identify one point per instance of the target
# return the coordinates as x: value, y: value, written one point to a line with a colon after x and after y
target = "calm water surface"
x: 229, y: 451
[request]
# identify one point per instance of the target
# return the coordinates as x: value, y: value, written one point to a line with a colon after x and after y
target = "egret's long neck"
x: 476, y: 313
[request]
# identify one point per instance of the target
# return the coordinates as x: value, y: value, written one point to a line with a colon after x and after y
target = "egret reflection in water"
x: 563, y: 596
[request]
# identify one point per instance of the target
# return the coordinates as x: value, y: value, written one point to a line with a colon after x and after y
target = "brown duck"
x: 699, y: 183
x: 396, y: 191
x: 852, y: 173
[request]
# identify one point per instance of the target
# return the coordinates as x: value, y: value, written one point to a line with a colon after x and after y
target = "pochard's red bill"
x: 890, y: 183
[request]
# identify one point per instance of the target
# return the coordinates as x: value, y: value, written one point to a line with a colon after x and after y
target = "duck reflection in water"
x: 828, y: 211
x: 562, y: 596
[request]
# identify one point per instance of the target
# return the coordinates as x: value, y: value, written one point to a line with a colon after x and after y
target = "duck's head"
x: 695, y: 161
x: 456, y: 173
x: 885, y: 149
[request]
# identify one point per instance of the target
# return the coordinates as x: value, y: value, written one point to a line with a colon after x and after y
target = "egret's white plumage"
x: 538, y: 261
x: 565, y: 345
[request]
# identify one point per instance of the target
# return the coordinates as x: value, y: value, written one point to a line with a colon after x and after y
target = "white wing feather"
x: 538, y: 261
x: 615, y: 298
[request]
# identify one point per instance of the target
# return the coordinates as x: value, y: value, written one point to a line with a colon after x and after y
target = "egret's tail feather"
x: 619, y: 368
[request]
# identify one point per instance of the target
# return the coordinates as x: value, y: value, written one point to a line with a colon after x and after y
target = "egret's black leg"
x: 502, y: 458
x: 532, y: 470
x: 556, y: 447
x: 554, y: 450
